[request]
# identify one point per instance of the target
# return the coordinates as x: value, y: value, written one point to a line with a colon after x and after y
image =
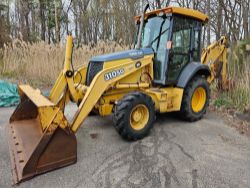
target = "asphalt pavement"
x: 207, y: 153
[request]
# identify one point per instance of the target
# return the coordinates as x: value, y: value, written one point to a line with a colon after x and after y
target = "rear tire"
x: 195, y: 99
x: 134, y: 116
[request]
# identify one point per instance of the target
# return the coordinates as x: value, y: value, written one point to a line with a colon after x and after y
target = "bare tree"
x: 42, y: 8
x: 94, y: 20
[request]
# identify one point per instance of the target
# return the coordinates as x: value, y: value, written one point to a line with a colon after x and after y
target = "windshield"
x: 153, y: 30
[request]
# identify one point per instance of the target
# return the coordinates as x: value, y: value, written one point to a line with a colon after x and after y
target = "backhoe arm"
x: 215, y: 56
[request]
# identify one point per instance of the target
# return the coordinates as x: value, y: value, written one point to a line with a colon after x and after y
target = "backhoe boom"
x: 215, y: 56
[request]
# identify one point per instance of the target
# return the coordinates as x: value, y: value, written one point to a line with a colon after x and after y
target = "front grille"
x: 94, y: 67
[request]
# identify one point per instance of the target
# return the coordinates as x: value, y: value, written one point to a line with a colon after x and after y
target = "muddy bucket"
x: 40, y: 139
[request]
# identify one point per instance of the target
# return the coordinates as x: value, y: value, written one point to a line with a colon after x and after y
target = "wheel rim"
x: 139, y: 117
x: 199, y: 99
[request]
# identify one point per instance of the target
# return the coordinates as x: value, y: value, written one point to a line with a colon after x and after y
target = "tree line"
x: 93, y: 20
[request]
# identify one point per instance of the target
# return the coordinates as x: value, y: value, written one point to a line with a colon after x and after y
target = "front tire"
x: 134, y: 116
x: 195, y: 99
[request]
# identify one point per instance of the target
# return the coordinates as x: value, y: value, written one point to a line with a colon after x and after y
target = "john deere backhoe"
x: 165, y: 72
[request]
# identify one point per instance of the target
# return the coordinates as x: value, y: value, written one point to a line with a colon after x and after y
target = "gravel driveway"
x: 207, y: 153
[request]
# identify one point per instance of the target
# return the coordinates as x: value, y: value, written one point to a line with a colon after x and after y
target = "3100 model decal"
x: 111, y: 75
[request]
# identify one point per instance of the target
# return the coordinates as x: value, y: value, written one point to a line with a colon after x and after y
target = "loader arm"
x: 64, y: 87
x: 102, y: 82
x: 215, y: 56
x: 66, y: 78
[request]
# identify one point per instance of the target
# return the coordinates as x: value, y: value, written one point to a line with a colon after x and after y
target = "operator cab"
x: 175, y: 36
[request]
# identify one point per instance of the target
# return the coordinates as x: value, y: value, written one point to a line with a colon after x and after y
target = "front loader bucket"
x: 40, y: 139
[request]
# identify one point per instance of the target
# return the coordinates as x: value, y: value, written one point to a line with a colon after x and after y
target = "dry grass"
x: 238, y: 96
x: 40, y: 63
x: 239, y: 71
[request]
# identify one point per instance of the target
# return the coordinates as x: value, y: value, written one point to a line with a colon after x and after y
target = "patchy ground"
x: 207, y: 153
x: 238, y: 120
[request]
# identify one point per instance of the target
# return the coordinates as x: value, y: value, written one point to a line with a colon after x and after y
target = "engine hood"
x: 133, y: 54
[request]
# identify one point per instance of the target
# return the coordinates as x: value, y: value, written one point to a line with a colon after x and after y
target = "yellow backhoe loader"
x: 165, y: 72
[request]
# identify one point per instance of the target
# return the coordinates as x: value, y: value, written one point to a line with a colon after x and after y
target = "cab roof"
x: 178, y: 10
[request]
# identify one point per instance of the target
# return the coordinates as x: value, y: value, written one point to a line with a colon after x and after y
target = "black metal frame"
x: 165, y: 72
x: 93, y: 69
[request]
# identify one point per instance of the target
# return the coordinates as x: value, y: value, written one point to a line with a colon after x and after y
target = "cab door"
x: 185, y: 46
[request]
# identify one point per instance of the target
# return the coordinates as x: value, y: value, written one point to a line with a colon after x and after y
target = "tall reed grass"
x: 40, y: 63
x: 238, y: 95
x: 239, y: 72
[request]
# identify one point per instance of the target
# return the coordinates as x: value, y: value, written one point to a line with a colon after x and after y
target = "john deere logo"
x: 113, y: 74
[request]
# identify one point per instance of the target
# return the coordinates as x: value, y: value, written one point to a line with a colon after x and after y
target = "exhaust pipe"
x: 138, y: 45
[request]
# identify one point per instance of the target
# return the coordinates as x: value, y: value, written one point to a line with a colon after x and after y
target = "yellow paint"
x: 58, y: 88
x: 139, y: 117
x: 71, y: 86
x: 47, y: 110
x: 103, y: 94
x: 46, y: 116
x: 99, y: 85
x: 199, y: 99
x: 137, y: 75
x: 105, y: 109
x: 110, y: 97
x: 77, y: 89
x: 190, y: 13
x: 35, y: 96
x: 80, y: 75
x: 49, y: 116
x: 166, y: 99
x: 68, y: 54
x: 177, y: 10
x: 61, y: 120
x: 132, y: 85
x: 215, y: 56
x: 64, y: 101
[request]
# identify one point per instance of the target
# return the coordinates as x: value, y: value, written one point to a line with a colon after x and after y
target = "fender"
x: 191, y: 70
